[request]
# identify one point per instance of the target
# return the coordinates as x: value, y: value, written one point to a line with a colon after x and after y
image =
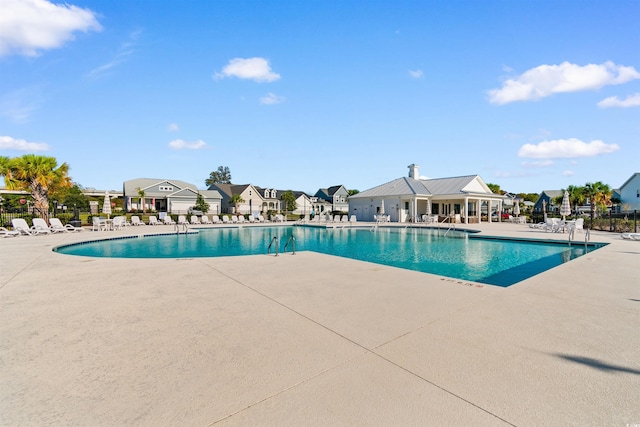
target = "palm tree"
x: 598, y: 194
x: 576, y: 197
x: 141, y: 193
x: 236, y: 200
x: 40, y: 175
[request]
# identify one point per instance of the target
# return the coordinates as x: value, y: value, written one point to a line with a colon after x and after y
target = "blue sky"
x: 530, y: 95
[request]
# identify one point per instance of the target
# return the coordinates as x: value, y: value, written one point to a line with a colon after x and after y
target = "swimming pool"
x: 460, y: 255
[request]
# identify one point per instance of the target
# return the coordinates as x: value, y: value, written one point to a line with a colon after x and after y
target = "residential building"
x: 629, y: 194
x: 337, y: 196
x: 253, y: 202
x: 545, y: 202
x: 166, y: 195
x: 465, y: 199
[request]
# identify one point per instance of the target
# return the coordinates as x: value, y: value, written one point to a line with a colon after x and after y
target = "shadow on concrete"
x: 597, y: 364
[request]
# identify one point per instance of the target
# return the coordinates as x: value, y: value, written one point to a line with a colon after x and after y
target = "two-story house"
x: 337, y: 196
x: 166, y: 195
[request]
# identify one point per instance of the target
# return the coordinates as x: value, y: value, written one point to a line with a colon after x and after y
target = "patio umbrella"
x: 544, y: 210
x: 106, y: 205
x: 565, y: 209
x: 382, y: 207
x: 516, y: 208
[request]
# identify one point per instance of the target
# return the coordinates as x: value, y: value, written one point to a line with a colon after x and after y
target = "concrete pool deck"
x: 314, y: 340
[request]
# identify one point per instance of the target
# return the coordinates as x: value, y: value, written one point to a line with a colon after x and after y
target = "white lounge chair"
x: 252, y: 218
x: 21, y: 226
x: 205, y: 220
x: 630, y: 236
x: 225, y: 219
x: 97, y: 224
x: 195, y: 220
x: 8, y: 233
x: 353, y: 219
x: 168, y: 220
x: 135, y: 220
x: 260, y: 218
x: 215, y: 219
x: 182, y: 220
x: 153, y: 220
x: 240, y: 219
x: 56, y: 224
x: 41, y: 226
x: 344, y: 218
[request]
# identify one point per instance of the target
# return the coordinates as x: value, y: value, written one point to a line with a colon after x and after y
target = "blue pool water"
x: 459, y: 255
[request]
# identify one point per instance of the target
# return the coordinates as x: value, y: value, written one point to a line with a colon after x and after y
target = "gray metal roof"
x: 398, y: 187
x: 405, y: 186
x: 131, y: 187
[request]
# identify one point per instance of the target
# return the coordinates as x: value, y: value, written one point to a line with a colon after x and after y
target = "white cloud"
x: 546, y: 80
x: 27, y: 26
x: 568, y: 173
x: 566, y: 148
x: 256, y: 69
x: 9, y: 143
x: 173, y: 127
x: 613, y: 101
x: 180, y: 144
x: 126, y: 49
x: 271, y: 98
x: 416, y: 74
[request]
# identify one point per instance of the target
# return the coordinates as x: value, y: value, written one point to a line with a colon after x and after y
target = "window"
x: 165, y: 188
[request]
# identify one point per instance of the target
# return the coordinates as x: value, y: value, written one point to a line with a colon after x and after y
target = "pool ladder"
x: 291, y: 241
x: 185, y: 227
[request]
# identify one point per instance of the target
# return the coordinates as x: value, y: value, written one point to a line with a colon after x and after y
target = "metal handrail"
x: 291, y: 240
x: 184, y: 225
x: 274, y: 239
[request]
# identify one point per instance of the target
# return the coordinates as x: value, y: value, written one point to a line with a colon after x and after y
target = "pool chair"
x: 56, y: 224
x: 41, y: 226
x: 252, y: 218
x: 8, y: 233
x: 135, y: 220
x: 630, y: 236
x: 225, y: 219
x: 118, y: 222
x: 205, y: 220
x: 168, y: 220
x: 260, y: 218
x: 153, y: 220
x: 182, y: 220
x: 21, y: 226
x: 215, y: 219
x: 195, y: 220
x: 353, y: 219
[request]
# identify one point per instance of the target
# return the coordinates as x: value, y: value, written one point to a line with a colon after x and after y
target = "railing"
x: 291, y: 240
x: 184, y: 226
x: 273, y: 239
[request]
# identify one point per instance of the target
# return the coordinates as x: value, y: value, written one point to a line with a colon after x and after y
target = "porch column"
x: 489, y: 211
x: 466, y: 210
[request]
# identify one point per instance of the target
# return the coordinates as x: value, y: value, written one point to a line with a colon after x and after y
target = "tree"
x: 73, y: 196
x: 352, y: 192
x: 236, y: 200
x: 598, y: 194
x: 141, y: 193
x: 40, y: 175
x: 201, y: 204
x: 289, y: 200
x: 221, y: 176
x: 495, y: 188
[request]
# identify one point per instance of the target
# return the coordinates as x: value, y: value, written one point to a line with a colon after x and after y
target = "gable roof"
x: 229, y: 190
x: 406, y: 186
x: 629, y: 180
x: 131, y: 186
